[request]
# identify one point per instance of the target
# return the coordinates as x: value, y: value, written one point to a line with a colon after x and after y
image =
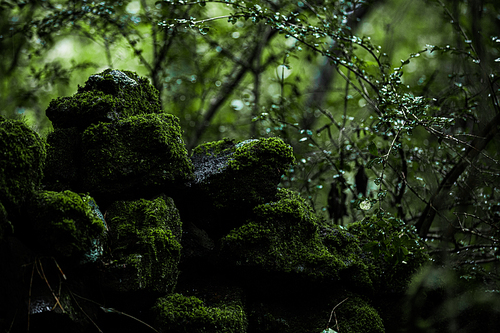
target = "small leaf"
x: 373, y: 149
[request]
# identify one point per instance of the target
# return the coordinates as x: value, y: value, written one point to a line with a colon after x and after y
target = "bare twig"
x: 333, y: 313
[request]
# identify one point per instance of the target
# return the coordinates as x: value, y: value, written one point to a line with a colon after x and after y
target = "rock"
x: 231, y: 178
x: 135, y: 157
x: 64, y: 160
x: 284, y: 237
x: 99, y: 244
x: 22, y: 158
x: 62, y: 224
x: 178, y: 313
x: 108, y: 96
x: 144, y: 246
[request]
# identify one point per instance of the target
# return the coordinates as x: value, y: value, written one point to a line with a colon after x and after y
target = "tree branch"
x: 437, y: 200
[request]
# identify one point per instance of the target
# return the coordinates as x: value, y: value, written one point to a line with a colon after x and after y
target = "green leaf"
x: 373, y: 149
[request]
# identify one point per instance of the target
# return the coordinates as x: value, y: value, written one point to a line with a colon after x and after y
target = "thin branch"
x: 438, y: 198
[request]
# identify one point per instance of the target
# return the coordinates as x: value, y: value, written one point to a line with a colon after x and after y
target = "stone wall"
x: 110, y: 225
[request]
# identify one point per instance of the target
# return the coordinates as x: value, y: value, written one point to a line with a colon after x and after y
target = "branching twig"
x: 333, y: 313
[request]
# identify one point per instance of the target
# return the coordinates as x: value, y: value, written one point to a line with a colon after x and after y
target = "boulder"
x: 144, y: 248
x: 179, y: 313
x: 22, y: 158
x: 135, y: 157
x: 62, y: 224
x: 127, y: 233
x: 109, y: 96
x: 233, y: 177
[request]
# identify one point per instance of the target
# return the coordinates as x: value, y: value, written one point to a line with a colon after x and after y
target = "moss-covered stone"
x: 357, y: 315
x: 62, y: 224
x: 22, y: 158
x: 62, y: 171
x: 177, y: 313
x: 284, y: 237
x: 145, y: 245
x: 5, y: 225
x: 135, y: 156
x: 231, y: 178
x: 108, y: 96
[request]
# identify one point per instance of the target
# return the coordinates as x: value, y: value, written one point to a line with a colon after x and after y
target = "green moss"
x: 356, y: 315
x: 5, y: 225
x: 284, y: 237
x: 146, y: 246
x: 138, y: 152
x: 391, y: 250
x: 266, y: 153
x: 241, y: 175
x: 63, y: 223
x: 62, y: 169
x: 215, y: 148
x: 178, y: 313
x: 22, y: 158
x: 107, y: 96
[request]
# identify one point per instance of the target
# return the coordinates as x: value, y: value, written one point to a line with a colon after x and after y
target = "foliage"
x: 381, y: 119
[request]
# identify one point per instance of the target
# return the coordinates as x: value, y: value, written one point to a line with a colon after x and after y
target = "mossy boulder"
x: 243, y: 173
x: 177, y: 313
x: 22, y: 158
x: 134, y: 156
x: 284, y: 237
x: 61, y: 224
x: 5, y: 225
x: 234, y: 177
x: 108, y: 96
x: 357, y: 315
x: 64, y: 159
x: 145, y: 245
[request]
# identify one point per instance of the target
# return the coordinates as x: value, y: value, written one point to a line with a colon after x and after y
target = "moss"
x: 178, y: 313
x: 284, y: 237
x: 108, y: 96
x: 392, y: 251
x: 214, y: 148
x: 356, y: 315
x: 240, y: 175
x: 5, y: 225
x: 138, y: 152
x: 63, y: 165
x: 62, y: 223
x: 22, y: 158
x: 145, y: 247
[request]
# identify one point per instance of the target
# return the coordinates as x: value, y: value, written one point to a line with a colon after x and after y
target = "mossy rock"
x: 5, y: 225
x: 63, y: 167
x: 108, y: 96
x: 357, y: 315
x: 135, y: 157
x: 62, y: 224
x: 22, y: 158
x: 234, y: 177
x: 284, y: 237
x: 177, y: 313
x: 145, y: 245
x: 247, y: 171
x: 353, y: 314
